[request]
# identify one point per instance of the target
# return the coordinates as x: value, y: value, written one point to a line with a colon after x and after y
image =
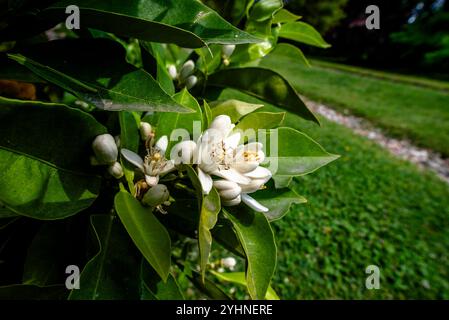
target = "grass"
x: 408, y: 79
x: 403, y: 110
x: 367, y: 208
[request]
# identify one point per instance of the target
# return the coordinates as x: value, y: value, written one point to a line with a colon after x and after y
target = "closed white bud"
x: 145, y: 131
x: 187, y: 69
x: 229, y: 263
x: 156, y: 196
x: 116, y: 170
x: 105, y: 149
x: 228, y: 50
x: 191, y: 82
x: 172, y: 72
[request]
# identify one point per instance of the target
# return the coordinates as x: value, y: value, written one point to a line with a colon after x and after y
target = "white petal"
x: 230, y: 193
x: 133, y: 158
x: 232, y: 175
x: 222, y: 124
x: 162, y: 145
x: 245, y: 166
x: 206, y: 181
x: 172, y: 72
x: 184, y: 152
x: 151, y: 180
x: 253, y: 186
x: 187, y: 69
x: 233, y: 202
x: 228, y: 50
x: 253, y: 204
x: 169, y: 167
x: 225, y: 185
x: 191, y: 82
x: 259, y: 173
x: 233, y: 140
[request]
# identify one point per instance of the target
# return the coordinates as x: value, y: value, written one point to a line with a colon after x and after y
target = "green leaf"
x: 265, y: 9
x: 153, y: 288
x: 282, y: 58
x: 208, y: 287
x: 158, y: 53
x: 11, y: 70
x: 264, y: 84
x: 46, y: 258
x: 6, y: 213
x: 239, y: 278
x: 284, y: 15
x: 129, y: 139
x: 297, y: 155
x: 100, y: 75
x: 225, y: 235
x: 187, y: 23
x: 235, y: 109
x: 278, y: 201
x: 207, y: 114
x: 260, y: 120
x: 44, y: 159
x: 148, y: 234
x: 302, y: 32
x: 166, y: 122
x: 257, y: 239
x: 32, y: 292
x: 210, y: 207
x: 113, y: 272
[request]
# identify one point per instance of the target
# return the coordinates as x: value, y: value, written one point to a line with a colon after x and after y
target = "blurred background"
x: 383, y: 99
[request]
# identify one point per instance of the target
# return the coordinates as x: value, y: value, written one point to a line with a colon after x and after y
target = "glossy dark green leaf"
x: 6, y: 213
x: 278, y: 201
x: 11, y: 70
x: 208, y: 287
x: 225, y: 235
x: 44, y: 152
x: 32, y: 292
x: 113, y: 272
x: 207, y: 114
x: 187, y: 23
x: 261, y: 120
x: 284, y: 15
x: 265, y: 9
x: 264, y: 84
x: 47, y: 255
x: 302, y: 32
x: 257, y: 239
x: 95, y: 70
x: 297, y: 155
x: 282, y: 57
x: 148, y: 234
x: 153, y: 288
x: 239, y: 278
x: 166, y: 122
x: 235, y: 109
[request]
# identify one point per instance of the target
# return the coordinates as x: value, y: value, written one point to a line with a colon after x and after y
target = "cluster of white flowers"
x: 219, y: 153
x: 185, y: 77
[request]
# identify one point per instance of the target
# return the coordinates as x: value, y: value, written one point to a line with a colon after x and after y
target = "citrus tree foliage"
x: 93, y: 175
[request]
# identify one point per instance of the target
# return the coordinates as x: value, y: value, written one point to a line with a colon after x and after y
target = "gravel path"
x: 403, y: 149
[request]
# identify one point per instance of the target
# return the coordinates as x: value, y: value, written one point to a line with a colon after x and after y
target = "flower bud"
x: 145, y: 131
x: 156, y: 196
x: 228, y: 50
x: 105, y: 149
x: 187, y: 69
x: 172, y: 72
x: 229, y: 263
x: 191, y: 82
x: 116, y: 170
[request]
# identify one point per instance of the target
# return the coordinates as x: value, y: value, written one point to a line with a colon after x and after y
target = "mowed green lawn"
x: 367, y: 208
x: 402, y: 109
